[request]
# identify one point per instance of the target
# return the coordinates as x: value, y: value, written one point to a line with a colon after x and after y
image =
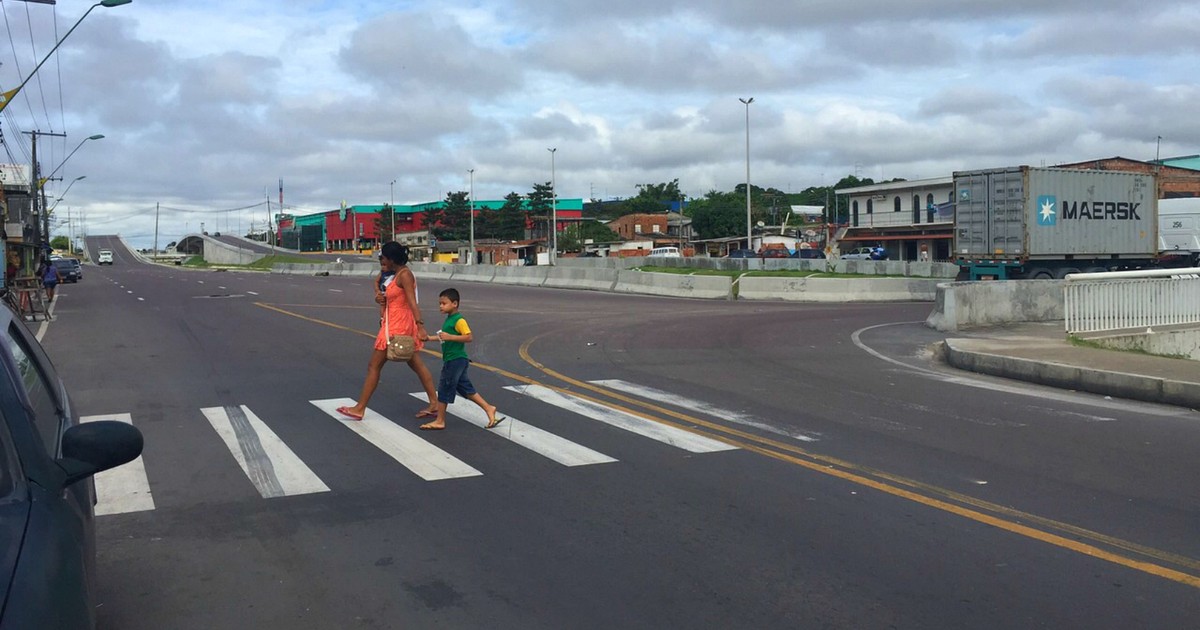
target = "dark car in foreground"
x: 810, y: 252
x: 742, y: 253
x: 47, y: 459
x: 69, y: 269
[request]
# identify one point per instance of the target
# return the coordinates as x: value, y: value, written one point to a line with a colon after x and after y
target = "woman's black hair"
x: 395, y: 252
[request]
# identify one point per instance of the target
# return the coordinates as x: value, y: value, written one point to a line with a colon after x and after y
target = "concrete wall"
x: 219, y: 253
x: 606, y: 278
x: 961, y: 305
x: 838, y: 289
x: 1168, y: 343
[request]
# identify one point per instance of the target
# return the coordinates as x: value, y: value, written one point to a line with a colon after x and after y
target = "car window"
x: 37, y: 386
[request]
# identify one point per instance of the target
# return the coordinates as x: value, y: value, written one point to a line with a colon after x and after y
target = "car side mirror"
x: 98, y: 446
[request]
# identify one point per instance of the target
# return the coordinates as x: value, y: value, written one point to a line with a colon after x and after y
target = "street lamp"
x: 6, y: 97
x: 392, y: 211
x: 553, y: 211
x: 64, y: 193
x: 60, y: 164
x: 749, y: 233
x: 472, y: 193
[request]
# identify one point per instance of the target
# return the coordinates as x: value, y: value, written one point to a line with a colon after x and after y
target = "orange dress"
x: 399, y: 316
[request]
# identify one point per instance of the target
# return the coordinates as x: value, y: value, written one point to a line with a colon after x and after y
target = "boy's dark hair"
x: 450, y: 294
x: 394, y: 252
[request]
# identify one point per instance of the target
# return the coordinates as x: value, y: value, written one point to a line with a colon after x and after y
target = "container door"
x: 1007, y: 203
x: 971, y: 234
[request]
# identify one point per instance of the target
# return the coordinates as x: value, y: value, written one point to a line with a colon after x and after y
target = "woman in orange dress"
x: 403, y: 317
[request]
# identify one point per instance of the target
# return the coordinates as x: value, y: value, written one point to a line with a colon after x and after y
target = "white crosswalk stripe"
x: 666, y: 434
x: 276, y: 471
x: 699, y: 406
x: 124, y: 488
x: 271, y: 466
x: 424, y: 459
x: 543, y: 443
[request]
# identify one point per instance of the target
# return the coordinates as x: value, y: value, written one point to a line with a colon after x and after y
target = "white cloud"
x: 204, y: 106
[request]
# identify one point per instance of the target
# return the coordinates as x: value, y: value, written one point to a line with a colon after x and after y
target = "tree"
x: 385, y: 222
x: 667, y: 191
x: 60, y: 242
x: 539, y: 202
x: 719, y: 214
x: 455, y: 217
x: 511, y: 218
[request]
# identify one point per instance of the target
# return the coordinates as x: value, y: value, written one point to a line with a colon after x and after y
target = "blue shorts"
x: 454, y: 381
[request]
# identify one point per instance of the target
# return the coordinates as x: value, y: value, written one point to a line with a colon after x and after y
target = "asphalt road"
x: 798, y: 466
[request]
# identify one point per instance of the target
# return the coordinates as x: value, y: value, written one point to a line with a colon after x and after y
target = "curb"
x: 1116, y: 384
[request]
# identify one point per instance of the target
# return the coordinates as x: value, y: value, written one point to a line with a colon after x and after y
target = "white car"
x: 105, y: 257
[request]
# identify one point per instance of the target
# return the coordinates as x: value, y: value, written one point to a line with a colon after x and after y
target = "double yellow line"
x: 1080, y: 540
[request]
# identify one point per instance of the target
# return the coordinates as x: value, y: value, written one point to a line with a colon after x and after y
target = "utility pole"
x: 37, y: 193
x: 155, y: 257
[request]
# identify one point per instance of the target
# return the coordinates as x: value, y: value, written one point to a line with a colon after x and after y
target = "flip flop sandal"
x: 345, y: 411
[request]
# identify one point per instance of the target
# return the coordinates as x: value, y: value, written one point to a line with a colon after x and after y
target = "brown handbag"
x: 399, y: 347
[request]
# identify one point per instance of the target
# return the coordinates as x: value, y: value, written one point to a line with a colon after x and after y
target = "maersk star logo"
x: 1046, y: 214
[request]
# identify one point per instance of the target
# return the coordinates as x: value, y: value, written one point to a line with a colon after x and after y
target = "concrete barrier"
x: 672, y: 284
x: 219, y: 253
x: 965, y: 304
x: 838, y: 289
x: 1183, y: 343
x: 472, y: 273
x: 441, y: 271
x: 581, y: 278
x: 522, y: 276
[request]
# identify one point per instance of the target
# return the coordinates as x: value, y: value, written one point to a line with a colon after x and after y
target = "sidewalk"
x: 1040, y: 353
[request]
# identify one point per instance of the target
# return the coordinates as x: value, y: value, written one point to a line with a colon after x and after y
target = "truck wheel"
x: 1039, y: 273
x: 1062, y: 273
x: 1096, y: 270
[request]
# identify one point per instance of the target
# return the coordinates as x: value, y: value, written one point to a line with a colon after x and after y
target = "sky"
x: 206, y: 106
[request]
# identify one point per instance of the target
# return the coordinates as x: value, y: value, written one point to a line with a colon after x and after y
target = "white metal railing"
x: 1096, y: 302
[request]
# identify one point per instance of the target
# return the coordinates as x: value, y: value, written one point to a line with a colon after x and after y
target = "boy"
x: 454, y: 335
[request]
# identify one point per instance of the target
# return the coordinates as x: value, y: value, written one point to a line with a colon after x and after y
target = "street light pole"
x: 392, y: 211
x: 749, y: 232
x: 553, y: 211
x: 472, y: 193
x: 6, y: 97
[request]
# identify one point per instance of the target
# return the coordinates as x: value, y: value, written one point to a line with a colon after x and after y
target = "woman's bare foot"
x: 493, y: 419
x: 433, y: 426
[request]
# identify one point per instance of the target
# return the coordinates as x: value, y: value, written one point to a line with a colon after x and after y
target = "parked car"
x: 104, y: 258
x: 865, y: 253
x: 776, y: 252
x: 69, y: 269
x: 810, y: 252
x: 47, y: 459
x: 742, y: 253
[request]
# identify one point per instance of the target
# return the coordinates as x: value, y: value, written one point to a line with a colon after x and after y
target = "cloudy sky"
x: 205, y: 105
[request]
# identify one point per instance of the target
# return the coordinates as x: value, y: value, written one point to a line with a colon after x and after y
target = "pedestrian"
x: 50, y: 278
x: 455, y: 334
x: 401, y: 317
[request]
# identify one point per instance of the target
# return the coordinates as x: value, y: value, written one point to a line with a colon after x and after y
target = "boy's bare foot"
x: 493, y: 419
x: 433, y: 426
x: 427, y: 413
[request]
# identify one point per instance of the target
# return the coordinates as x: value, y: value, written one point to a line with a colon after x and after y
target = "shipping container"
x: 1046, y: 222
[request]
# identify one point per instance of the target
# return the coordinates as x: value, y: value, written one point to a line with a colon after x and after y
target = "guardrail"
x: 1126, y: 300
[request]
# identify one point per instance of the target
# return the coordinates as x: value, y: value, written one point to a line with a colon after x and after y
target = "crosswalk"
x: 276, y: 471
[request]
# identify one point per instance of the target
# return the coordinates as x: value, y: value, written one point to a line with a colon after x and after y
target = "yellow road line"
x: 848, y: 471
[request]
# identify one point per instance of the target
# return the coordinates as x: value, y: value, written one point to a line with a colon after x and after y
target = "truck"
x: 1043, y: 223
x: 1179, y: 231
